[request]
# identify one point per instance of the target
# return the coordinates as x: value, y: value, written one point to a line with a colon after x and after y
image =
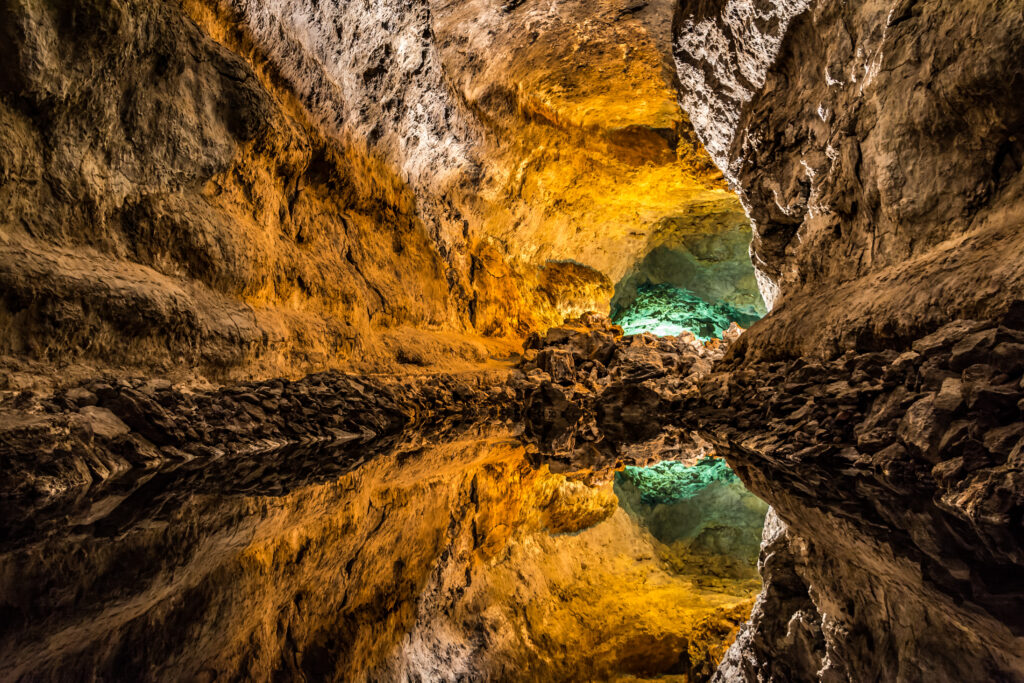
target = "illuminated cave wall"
x: 303, y: 185
x: 588, y: 154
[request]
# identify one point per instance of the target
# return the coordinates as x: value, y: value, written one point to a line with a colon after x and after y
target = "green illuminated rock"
x: 665, y: 310
x: 669, y: 481
x: 702, y: 514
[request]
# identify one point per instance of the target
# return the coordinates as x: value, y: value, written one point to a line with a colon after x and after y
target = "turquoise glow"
x: 670, y: 481
x: 665, y: 310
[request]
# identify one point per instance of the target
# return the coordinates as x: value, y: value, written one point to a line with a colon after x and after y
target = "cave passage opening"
x: 667, y: 311
x: 699, y: 282
x: 697, y: 278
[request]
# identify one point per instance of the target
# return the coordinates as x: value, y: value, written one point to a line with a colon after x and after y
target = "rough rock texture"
x: 364, y: 528
x: 665, y: 310
x: 783, y: 607
x: 223, y: 188
x: 881, y: 152
x: 897, y: 472
x: 575, y: 394
x: 163, y: 201
x: 927, y: 440
x: 900, y: 476
x: 272, y: 188
x: 723, y: 53
x: 715, y: 267
x: 54, y: 447
x: 591, y: 152
x: 701, y: 512
x: 596, y: 393
x: 876, y: 148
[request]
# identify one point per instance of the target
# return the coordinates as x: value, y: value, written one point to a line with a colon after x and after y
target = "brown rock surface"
x: 229, y: 190
x: 875, y: 147
x: 257, y: 189
x: 881, y: 489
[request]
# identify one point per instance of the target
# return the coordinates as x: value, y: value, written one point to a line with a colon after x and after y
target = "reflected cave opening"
x: 707, y: 524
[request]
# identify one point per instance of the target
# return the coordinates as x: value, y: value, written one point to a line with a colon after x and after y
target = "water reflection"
x: 702, y: 515
x: 427, y: 556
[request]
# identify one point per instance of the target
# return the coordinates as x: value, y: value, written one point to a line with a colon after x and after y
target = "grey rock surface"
x: 898, y: 478
x: 874, y: 145
x: 783, y: 639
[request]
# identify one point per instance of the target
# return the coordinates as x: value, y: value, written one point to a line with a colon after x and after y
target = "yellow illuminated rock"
x: 591, y: 150
x: 292, y: 182
x: 448, y: 560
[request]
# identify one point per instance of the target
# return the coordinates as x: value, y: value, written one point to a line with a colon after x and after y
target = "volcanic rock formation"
x: 301, y: 378
x: 256, y: 189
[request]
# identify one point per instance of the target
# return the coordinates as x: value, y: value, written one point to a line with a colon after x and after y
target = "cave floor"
x: 436, y: 553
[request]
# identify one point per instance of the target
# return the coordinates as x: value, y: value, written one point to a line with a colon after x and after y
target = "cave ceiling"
x: 551, y: 130
x: 588, y: 142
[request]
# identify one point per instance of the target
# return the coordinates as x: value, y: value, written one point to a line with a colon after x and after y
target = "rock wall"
x: 784, y: 606
x: 257, y: 188
x: 715, y: 267
x: 876, y: 148
x: 701, y: 512
x: 592, y: 153
x: 723, y: 53
x: 899, y: 476
x: 927, y: 440
x: 372, y: 527
x: 166, y: 200
x: 879, y: 149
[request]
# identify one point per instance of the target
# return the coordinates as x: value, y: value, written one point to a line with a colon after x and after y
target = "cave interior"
x: 512, y: 340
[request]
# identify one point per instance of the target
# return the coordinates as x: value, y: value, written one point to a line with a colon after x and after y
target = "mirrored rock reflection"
x: 431, y: 555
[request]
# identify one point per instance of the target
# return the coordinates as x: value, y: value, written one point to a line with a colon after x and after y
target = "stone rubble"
x: 585, y: 393
x: 87, y: 434
x: 599, y: 395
